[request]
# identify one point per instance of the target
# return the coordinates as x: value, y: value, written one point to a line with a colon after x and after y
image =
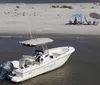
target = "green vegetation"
x: 63, y: 6
x: 92, y: 7
x: 98, y: 4
x: 54, y: 6
x: 23, y: 13
x: 95, y: 3
x: 81, y: 5
x: 32, y: 7
x: 17, y: 6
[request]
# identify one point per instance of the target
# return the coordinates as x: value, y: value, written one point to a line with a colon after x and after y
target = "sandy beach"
x: 43, y: 19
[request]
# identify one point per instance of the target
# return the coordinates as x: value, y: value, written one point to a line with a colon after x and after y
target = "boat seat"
x: 16, y: 64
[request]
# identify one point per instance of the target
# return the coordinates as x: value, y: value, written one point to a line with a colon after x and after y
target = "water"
x: 48, y: 1
x: 82, y: 68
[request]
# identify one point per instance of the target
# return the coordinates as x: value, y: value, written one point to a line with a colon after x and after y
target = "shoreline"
x: 27, y: 36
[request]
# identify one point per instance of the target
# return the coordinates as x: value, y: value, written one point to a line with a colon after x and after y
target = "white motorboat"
x: 42, y: 60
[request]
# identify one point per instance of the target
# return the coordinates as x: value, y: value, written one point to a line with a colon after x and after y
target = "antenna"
x: 30, y: 30
x: 29, y: 27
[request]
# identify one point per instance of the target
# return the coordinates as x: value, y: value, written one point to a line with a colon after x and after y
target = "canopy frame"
x: 38, y: 42
x: 35, y: 42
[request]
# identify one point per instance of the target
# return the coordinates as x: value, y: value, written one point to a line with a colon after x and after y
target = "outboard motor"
x: 6, y: 70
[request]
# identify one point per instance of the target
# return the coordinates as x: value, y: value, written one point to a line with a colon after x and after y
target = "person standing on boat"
x: 39, y: 53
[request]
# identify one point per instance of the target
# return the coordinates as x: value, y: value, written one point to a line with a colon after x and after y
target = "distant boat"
x: 41, y: 61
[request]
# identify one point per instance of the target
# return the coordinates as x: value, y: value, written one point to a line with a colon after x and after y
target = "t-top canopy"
x: 37, y: 41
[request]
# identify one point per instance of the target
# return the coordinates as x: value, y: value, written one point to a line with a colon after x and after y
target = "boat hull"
x: 58, y: 62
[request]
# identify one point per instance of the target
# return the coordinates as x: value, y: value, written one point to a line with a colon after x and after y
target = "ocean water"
x: 48, y: 1
x: 82, y: 68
